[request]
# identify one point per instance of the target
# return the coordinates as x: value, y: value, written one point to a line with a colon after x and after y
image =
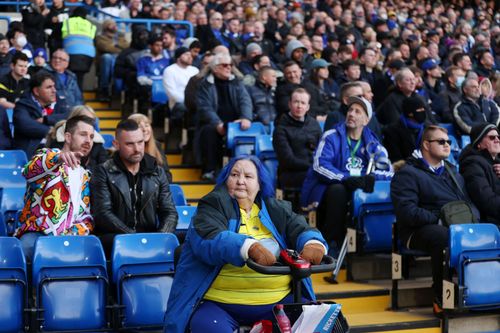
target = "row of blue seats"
x: 71, y: 284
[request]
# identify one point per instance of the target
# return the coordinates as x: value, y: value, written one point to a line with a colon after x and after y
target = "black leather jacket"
x: 112, y: 198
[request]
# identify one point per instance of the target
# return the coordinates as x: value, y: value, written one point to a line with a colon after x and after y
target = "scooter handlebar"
x: 327, y: 265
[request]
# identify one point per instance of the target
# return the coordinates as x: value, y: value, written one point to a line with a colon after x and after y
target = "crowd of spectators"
x: 372, y: 73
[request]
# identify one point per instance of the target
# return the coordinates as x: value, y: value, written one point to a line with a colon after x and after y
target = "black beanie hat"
x: 180, y: 51
x: 412, y: 103
x: 478, y: 132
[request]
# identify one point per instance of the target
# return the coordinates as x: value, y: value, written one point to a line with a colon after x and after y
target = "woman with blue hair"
x: 213, y: 289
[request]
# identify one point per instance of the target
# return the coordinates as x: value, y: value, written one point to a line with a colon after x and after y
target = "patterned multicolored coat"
x: 48, y: 206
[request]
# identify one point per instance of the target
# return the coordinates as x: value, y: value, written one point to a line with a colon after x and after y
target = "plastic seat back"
x: 178, y: 195
x: 264, y: 148
x: 465, y: 140
x: 12, y: 159
x: 13, y: 187
x: 3, y: 226
x: 236, y: 136
x: 455, y: 148
x: 13, y: 284
x: 143, y: 267
x: 449, y: 127
x: 185, y: 213
x: 69, y: 274
x: 108, y: 140
x: 158, y: 94
x: 479, y: 274
x: 374, y: 214
x: 477, y: 236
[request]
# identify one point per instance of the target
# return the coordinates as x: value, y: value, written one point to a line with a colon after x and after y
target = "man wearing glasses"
x: 66, y: 82
x: 221, y: 98
x: 480, y: 167
x: 419, y: 190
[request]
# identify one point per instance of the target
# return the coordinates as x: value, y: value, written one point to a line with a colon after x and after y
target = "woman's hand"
x: 261, y: 255
x: 313, y: 253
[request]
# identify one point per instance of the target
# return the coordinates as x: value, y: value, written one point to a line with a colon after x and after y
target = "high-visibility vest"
x: 78, y: 36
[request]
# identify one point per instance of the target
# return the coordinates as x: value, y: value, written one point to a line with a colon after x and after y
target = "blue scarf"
x: 412, y: 124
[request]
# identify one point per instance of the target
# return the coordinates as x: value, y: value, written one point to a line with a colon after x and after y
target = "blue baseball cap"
x: 40, y: 52
x: 319, y: 63
x: 429, y: 63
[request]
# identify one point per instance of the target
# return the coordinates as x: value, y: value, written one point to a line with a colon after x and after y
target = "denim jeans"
x: 106, y: 68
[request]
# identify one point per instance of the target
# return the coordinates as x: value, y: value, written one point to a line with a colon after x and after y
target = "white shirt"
x: 75, y: 177
x: 175, y: 80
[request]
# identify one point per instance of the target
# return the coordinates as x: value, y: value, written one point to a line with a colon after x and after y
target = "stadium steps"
x: 367, y: 307
x: 108, y: 117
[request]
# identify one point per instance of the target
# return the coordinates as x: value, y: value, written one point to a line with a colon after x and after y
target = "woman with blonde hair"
x: 98, y: 154
x: 152, y: 147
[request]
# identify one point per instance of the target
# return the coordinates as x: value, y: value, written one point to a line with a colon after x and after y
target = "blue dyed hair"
x: 265, y: 181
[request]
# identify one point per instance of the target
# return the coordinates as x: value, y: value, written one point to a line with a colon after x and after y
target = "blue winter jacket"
x: 330, y: 163
x: 213, y: 241
x: 28, y: 132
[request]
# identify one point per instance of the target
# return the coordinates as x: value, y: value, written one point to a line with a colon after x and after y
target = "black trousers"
x: 332, y: 213
x: 211, y: 148
x: 432, y: 239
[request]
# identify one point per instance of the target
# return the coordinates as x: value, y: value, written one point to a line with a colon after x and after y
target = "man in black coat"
x: 480, y: 167
x: 130, y: 192
x: 419, y: 190
x: 295, y: 138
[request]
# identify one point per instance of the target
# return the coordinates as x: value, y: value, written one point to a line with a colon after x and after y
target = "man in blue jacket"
x: 419, y: 190
x: 348, y: 157
x: 36, y: 112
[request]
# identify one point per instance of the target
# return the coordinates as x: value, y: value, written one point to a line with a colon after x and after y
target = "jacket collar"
x: 211, y: 78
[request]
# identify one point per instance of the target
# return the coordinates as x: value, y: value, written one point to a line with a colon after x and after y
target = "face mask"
x: 419, y: 117
x: 383, y: 16
x: 21, y: 41
x: 459, y: 81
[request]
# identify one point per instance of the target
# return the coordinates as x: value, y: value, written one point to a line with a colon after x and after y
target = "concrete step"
x: 108, y: 124
x: 196, y: 191
x: 109, y: 114
x: 472, y: 323
x: 181, y: 174
x: 97, y: 105
x: 89, y: 95
x: 174, y: 159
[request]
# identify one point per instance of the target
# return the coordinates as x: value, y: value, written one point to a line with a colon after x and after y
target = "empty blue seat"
x: 108, y: 140
x: 3, y: 226
x: 178, y: 196
x: 13, y: 285
x: 242, y: 142
x: 143, y: 268
x: 12, y: 159
x: 474, y: 252
x: 70, y: 278
x: 158, y: 94
x: 373, y: 215
x: 13, y: 187
x: 454, y: 147
x: 185, y: 213
x: 449, y: 127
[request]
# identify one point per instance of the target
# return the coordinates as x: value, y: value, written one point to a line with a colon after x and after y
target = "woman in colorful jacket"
x: 213, y: 289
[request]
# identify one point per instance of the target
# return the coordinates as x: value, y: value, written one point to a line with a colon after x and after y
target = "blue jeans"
x: 106, y: 67
x: 28, y: 243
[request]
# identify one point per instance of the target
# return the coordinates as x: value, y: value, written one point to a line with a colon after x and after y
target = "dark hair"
x: 348, y: 63
x: 72, y: 122
x: 155, y: 38
x: 290, y: 63
x: 265, y: 181
x: 127, y: 125
x: 346, y: 86
x: 39, y: 78
x: 458, y: 57
x: 19, y: 56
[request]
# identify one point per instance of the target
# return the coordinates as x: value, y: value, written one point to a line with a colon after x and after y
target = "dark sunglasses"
x: 441, y: 142
x: 493, y: 137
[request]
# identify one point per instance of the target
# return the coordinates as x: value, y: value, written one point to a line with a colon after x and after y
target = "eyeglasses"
x: 60, y: 59
x: 441, y: 142
x: 493, y: 137
x: 225, y: 65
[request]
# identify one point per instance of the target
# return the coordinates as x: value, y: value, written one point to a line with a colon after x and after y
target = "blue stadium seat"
x: 465, y: 140
x: 13, y: 187
x: 265, y: 152
x: 10, y: 117
x: 242, y: 142
x: 474, y: 252
x: 178, y: 196
x: 70, y: 279
x: 3, y: 227
x: 12, y: 159
x: 454, y: 147
x: 185, y: 213
x: 158, y: 93
x: 13, y: 285
x: 143, y: 268
x: 322, y: 125
x: 373, y: 215
x: 449, y: 127
x: 108, y: 140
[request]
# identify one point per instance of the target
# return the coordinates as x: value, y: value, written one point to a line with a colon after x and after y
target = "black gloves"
x: 366, y: 183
